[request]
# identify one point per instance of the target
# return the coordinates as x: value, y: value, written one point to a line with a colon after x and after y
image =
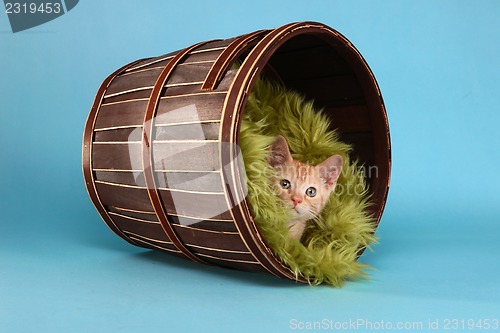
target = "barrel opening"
x: 326, y: 69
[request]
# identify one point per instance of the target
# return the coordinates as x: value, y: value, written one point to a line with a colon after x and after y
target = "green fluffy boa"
x: 334, y: 239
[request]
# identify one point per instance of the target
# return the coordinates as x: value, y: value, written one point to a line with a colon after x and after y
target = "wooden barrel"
x: 160, y: 147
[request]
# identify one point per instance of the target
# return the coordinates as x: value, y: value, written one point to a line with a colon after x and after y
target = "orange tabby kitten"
x: 304, y: 188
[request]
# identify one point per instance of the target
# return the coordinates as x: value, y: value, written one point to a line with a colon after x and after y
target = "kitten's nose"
x: 296, y: 201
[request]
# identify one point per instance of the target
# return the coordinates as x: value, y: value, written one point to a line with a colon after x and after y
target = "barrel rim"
x: 249, y: 71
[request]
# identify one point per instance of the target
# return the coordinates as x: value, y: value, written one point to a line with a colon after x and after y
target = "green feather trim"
x: 332, y: 240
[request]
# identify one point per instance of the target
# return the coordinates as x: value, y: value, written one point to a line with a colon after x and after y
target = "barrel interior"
x: 327, y: 70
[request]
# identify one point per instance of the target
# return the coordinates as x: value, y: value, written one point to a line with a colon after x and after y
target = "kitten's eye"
x: 285, y: 184
x: 311, y: 192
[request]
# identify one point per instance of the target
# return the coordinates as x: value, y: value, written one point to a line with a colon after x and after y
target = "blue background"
x: 62, y: 270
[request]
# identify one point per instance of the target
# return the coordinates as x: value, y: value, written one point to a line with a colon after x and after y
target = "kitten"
x: 304, y: 188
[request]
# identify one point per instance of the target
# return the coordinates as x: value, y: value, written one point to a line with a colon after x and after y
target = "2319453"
x: 467, y: 324
x: 33, y: 8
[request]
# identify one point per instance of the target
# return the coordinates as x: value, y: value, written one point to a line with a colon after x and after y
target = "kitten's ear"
x: 280, y: 153
x: 329, y: 169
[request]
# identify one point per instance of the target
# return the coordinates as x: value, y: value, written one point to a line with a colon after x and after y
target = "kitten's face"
x: 301, y: 189
x: 304, y: 188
